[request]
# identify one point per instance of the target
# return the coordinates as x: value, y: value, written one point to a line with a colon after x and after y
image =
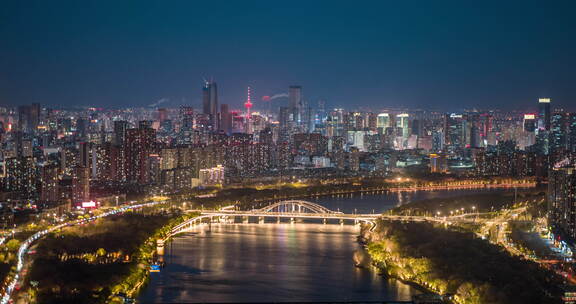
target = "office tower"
x: 120, y: 127
x: 475, y: 139
x: 529, y: 123
x: 225, y: 119
x: 543, y: 129
x: 295, y: 102
x: 383, y: 122
x: 81, y: 184
x: 562, y: 199
x: 558, y: 132
x: 24, y: 119
x: 485, y: 128
x: 28, y: 118
x: 454, y: 131
x: 35, y: 112
x: 544, y: 114
x: 50, y: 180
x: 210, y: 102
x: 529, y: 128
x: 402, y: 123
x: 284, y: 125
x: 138, y: 145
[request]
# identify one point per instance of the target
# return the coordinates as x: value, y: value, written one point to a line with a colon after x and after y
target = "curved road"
x: 26, y: 244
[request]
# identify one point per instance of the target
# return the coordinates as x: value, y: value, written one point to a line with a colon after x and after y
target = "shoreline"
x: 137, y: 289
x: 376, y: 190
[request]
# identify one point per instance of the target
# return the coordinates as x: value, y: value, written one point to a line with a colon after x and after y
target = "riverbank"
x: 458, y: 265
x: 249, y: 197
x: 139, y: 274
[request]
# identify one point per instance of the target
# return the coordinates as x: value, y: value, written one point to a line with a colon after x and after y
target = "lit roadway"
x: 28, y: 242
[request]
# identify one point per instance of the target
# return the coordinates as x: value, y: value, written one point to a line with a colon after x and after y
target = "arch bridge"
x: 292, y: 209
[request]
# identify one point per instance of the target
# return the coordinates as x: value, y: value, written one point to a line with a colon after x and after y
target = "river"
x: 284, y: 262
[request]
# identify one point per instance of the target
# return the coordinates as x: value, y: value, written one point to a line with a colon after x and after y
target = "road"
x: 23, y: 250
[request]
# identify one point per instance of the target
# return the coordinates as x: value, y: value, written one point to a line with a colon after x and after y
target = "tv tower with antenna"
x: 248, y: 106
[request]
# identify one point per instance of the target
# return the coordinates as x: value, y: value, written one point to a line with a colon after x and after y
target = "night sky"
x: 434, y: 54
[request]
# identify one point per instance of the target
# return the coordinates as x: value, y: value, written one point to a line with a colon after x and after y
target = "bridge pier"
x: 260, y: 220
x: 341, y: 222
x: 324, y: 221
x: 245, y: 220
x: 292, y: 220
x: 278, y: 220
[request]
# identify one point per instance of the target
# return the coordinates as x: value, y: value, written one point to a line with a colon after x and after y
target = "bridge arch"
x: 296, y: 206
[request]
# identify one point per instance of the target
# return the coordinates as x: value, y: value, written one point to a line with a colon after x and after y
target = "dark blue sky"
x: 436, y: 54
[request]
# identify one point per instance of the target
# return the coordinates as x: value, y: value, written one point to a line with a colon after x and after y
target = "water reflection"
x: 378, y: 203
x: 267, y: 263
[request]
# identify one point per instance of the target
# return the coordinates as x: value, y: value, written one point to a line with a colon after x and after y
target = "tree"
x: 101, y: 252
x: 13, y: 245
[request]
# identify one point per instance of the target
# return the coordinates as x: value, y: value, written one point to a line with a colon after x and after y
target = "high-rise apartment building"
x: 50, y: 180
x: 562, y: 199
x: 81, y: 184
x: 138, y: 146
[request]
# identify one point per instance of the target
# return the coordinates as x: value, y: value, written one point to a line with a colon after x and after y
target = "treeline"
x: 458, y: 263
x: 482, y: 202
x: 254, y: 197
x: 107, y: 247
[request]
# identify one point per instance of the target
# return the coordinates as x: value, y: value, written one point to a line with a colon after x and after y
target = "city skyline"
x: 295, y: 152
x: 439, y: 57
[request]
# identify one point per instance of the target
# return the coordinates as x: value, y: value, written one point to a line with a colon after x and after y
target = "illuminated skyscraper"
x: 544, y: 114
x: 558, y: 132
x: 210, y: 102
x: 383, y: 122
x: 295, y: 102
x: 402, y: 122
x: 454, y: 131
x: 529, y: 122
x: 529, y: 128
x: 562, y: 199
